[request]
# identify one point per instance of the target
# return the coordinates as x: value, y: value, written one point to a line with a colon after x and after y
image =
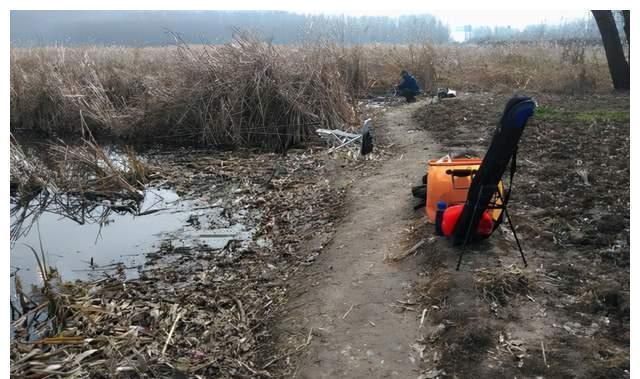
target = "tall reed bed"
x: 252, y: 93
x: 543, y: 66
x: 571, y: 67
x: 243, y: 93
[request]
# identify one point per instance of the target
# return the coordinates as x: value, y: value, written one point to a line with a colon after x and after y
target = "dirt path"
x: 348, y: 302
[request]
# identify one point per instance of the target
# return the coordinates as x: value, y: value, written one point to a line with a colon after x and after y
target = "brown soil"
x: 574, y: 296
x: 356, y: 314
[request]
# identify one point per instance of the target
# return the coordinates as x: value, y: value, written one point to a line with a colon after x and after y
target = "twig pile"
x: 502, y: 283
x: 113, y: 327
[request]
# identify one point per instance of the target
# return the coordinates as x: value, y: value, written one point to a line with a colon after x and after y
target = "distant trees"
x: 365, y: 29
x: 147, y: 28
x: 618, y: 65
x: 582, y: 29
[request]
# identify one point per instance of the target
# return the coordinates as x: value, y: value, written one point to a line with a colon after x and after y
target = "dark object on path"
x: 444, y: 93
x: 409, y: 87
x: 366, y: 145
x: 420, y: 192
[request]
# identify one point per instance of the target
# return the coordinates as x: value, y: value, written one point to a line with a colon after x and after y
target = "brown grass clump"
x: 27, y: 173
x: 435, y: 290
x: 502, y: 283
x: 84, y: 169
x: 469, y: 342
x: 243, y: 93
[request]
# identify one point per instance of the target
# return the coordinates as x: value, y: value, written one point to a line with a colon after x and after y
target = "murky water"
x: 84, y: 240
x: 93, y: 246
x: 84, y: 250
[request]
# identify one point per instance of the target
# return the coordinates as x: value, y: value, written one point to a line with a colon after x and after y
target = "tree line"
x: 152, y: 28
x: 584, y: 29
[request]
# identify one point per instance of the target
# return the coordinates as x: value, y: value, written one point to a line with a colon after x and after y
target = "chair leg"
x: 460, y: 255
x: 468, y: 233
x: 513, y: 229
x: 515, y: 235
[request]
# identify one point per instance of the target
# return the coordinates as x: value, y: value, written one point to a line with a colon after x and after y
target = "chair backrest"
x: 484, y: 185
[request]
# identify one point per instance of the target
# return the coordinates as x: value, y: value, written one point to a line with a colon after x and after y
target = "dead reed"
x: 73, y: 182
x: 250, y: 92
x: 243, y: 93
x: 503, y: 283
x: 82, y: 169
x: 511, y: 67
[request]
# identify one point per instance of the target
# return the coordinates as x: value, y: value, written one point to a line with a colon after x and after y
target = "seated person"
x: 409, y: 87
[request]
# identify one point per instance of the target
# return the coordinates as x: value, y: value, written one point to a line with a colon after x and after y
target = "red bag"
x: 452, y: 214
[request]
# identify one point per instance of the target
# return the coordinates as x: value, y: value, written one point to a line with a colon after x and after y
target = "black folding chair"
x: 484, y: 190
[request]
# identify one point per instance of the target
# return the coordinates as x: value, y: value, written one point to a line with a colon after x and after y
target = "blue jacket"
x: 409, y: 83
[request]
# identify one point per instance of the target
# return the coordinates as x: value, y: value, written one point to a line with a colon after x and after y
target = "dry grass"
x: 83, y: 169
x: 243, y: 93
x: 520, y: 67
x: 503, y: 283
x: 375, y: 68
x: 435, y: 290
x: 253, y: 93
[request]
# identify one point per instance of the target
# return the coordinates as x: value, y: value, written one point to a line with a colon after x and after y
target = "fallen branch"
x: 173, y: 328
x: 408, y: 252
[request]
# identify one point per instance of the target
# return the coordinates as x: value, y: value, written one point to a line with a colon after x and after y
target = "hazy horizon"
x: 149, y: 28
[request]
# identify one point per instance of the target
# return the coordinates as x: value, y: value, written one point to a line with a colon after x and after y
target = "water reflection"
x: 82, y: 238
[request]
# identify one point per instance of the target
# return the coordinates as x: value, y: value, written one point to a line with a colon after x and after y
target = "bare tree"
x: 618, y: 65
x: 627, y: 23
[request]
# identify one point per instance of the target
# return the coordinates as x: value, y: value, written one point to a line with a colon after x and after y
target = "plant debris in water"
x: 76, y: 180
x: 84, y: 169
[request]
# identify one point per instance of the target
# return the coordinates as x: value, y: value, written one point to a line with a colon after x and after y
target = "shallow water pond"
x: 83, y: 247
x: 85, y: 238
x: 93, y: 243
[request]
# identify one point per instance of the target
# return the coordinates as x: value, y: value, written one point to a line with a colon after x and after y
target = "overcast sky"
x: 517, y: 19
